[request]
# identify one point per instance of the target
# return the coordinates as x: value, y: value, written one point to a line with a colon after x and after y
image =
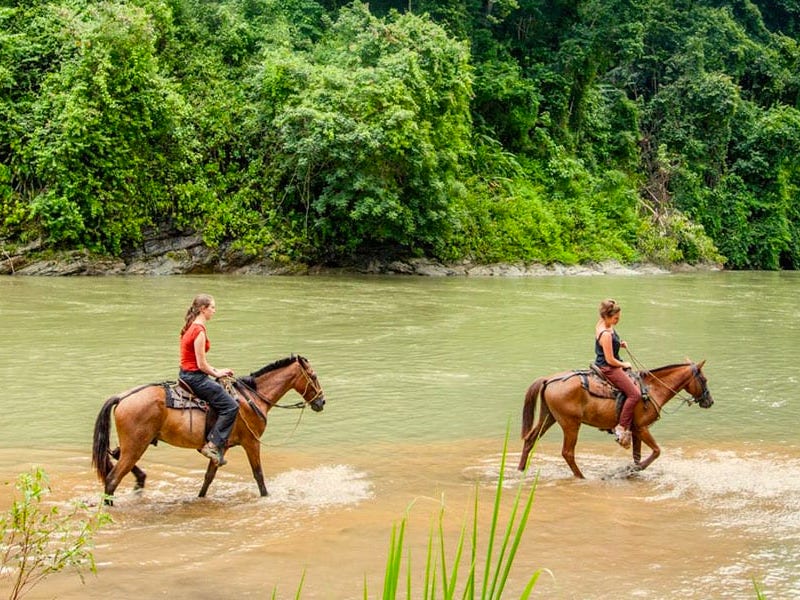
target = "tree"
x: 367, y: 150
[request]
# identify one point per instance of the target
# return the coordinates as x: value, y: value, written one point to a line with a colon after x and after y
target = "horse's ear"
x: 700, y: 365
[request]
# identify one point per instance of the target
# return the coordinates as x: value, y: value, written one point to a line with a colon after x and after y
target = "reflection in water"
x: 424, y: 379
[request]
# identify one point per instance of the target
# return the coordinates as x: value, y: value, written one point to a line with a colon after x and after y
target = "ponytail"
x: 199, y: 303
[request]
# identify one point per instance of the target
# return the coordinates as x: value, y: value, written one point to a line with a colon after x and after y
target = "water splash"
x: 753, y: 491
x: 321, y: 487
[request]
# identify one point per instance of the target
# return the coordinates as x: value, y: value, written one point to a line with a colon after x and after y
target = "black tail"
x: 102, y: 426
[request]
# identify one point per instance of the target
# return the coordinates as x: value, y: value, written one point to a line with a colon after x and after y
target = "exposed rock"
x: 170, y: 253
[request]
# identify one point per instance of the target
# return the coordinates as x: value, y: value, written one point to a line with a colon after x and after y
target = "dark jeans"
x: 627, y: 386
x: 212, y: 392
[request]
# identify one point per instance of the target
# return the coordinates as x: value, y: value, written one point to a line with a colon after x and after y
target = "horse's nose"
x: 318, y: 404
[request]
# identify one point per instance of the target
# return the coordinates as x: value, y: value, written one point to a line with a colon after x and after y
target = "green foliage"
x: 37, y: 541
x: 482, y: 579
x: 99, y: 135
x: 321, y: 130
x: 368, y: 150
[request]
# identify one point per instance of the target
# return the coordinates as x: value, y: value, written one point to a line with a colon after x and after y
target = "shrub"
x: 37, y: 541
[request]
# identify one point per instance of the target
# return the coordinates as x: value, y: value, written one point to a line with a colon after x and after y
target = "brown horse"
x: 563, y: 400
x: 142, y: 418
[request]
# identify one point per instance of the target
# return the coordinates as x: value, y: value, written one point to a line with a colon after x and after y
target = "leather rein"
x: 242, y: 382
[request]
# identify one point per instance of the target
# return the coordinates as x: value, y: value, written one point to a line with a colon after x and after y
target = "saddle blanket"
x: 177, y: 396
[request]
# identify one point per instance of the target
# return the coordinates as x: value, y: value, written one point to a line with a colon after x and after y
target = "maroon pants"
x: 625, y: 383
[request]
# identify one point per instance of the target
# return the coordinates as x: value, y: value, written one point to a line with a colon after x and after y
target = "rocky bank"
x: 186, y: 254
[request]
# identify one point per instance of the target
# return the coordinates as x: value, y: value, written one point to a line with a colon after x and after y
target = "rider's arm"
x: 202, y: 361
x: 608, y: 352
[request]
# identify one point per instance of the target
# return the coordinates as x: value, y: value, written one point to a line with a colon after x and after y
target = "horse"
x: 564, y: 400
x: 141, y: 417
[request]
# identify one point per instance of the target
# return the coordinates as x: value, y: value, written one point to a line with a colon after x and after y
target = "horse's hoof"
x: 632, y: 470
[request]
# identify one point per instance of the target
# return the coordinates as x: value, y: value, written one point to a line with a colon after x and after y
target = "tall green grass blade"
x: 496, y: 569
x: 442, y: 557
x: 429, y: 590
x: 526, y: 593
x: 469, y: 588
x: 520, y: 530
x: 451, y: 589
x: 408, y: 574
x: 300, y: 586
x: 393, y: 562
x: 495, y: 516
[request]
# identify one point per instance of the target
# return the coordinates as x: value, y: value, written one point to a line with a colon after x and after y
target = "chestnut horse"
x: 142, y: 417
x: 563, y: 400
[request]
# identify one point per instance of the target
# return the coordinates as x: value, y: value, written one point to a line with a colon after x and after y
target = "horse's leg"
x: 637, y: 446
x: 546, y: 421
x: 647, y: 438
x: 140, y: 478
x: 128, y: 457
x: 253, y: 450
x: 140, y: 475
x: 570, y: 428
x: 211, y: 472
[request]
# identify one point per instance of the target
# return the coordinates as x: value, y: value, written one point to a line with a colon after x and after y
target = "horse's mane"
x: 278, y: 364
x: 665, y: 367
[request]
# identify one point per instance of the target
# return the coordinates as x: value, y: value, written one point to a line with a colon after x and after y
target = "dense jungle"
x: 535, y: 131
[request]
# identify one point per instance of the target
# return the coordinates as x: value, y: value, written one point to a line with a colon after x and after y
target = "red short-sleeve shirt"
x: 188, y: 356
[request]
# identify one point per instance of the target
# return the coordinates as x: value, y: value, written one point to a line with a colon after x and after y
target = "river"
x: 424, y: 377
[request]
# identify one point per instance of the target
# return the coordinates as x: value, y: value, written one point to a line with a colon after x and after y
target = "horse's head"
x: 308, y: 385
x: 698, y: 387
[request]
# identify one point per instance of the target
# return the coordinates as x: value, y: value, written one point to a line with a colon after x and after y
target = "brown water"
x: 423, y: 377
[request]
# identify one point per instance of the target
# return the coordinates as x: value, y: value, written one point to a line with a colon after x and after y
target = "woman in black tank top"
x: 606, y: 347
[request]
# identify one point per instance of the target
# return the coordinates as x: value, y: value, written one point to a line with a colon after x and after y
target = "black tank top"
x: 600, y: 356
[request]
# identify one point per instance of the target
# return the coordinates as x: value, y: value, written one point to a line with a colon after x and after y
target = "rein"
x: 244, y: 385
x: 676, y: 393
x: 241, y: 382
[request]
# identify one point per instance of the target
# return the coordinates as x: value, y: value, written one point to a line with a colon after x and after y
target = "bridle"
x: 705, y: 395
x: 311, y: 382
x: 703, y: 400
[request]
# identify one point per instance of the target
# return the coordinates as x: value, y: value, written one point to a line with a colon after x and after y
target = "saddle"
x: 596, y: 384
x: 180, y: 395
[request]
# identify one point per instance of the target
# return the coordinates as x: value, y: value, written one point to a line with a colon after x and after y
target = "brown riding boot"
x: 213, y: 453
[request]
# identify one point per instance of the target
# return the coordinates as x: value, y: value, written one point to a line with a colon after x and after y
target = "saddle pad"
x: 179, y: 397
x: 596, y: 386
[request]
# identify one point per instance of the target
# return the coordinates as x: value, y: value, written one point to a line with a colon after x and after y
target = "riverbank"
x: 182, y: 255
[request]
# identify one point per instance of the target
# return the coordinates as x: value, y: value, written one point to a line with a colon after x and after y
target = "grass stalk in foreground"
x: 496, y: 566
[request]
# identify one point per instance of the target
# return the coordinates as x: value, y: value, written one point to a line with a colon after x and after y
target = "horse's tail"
x: 529, y: 409
x: 102, y: 426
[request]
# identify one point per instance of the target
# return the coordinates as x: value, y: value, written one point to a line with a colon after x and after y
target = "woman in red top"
x: 195, y: 371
